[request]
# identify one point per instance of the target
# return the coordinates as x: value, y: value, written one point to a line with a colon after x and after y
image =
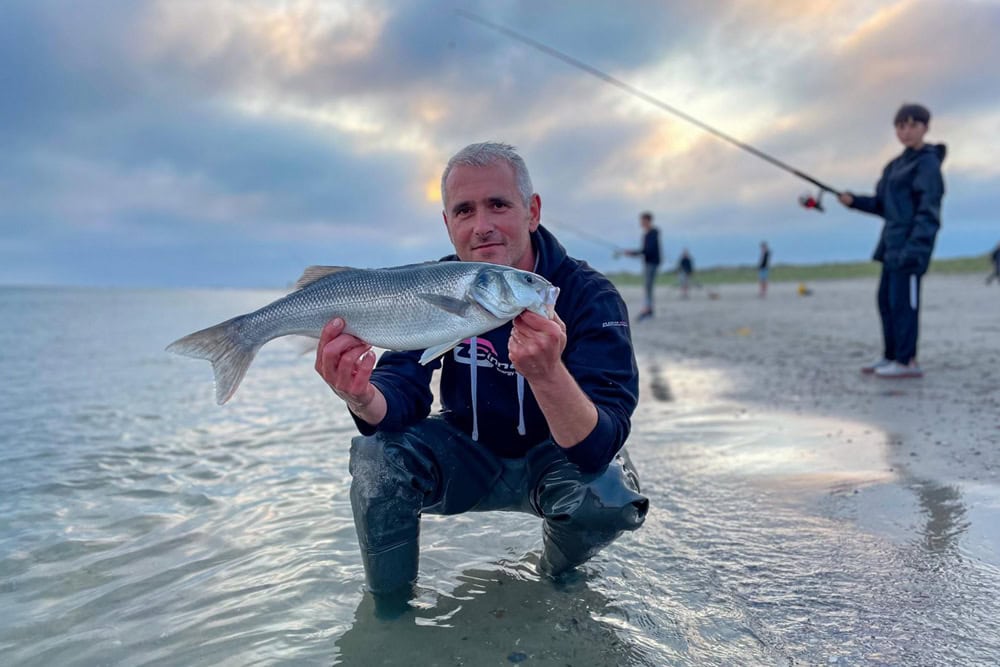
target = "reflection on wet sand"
x: 946, y: 515
x: 658, y: 384
x: 942, y: 507
x: 493, y: 617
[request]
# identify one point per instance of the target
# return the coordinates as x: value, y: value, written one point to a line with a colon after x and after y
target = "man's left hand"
x: 536, y: 345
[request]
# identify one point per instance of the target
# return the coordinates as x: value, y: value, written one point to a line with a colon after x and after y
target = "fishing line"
x: 635, y: 92
x: 559, y: 224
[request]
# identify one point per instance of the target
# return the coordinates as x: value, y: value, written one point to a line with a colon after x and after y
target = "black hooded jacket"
x: 908, y: 197
x: 501, y: 410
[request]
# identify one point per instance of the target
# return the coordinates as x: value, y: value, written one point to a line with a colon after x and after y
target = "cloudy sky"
x: 233, y: 142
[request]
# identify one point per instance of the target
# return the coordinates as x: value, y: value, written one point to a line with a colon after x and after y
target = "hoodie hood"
x: 937, y: 150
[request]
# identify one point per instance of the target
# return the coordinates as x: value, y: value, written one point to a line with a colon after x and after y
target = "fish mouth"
x: 547, y: 307
x: 549, y: 300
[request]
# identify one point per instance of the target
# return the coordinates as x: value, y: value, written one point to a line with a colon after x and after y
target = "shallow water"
x: 142, y: 524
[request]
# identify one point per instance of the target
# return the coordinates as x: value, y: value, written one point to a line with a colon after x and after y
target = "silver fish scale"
x: 380, y: 306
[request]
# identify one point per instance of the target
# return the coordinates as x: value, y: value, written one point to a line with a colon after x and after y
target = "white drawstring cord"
x: 520, y: 405
x: 473, y: 368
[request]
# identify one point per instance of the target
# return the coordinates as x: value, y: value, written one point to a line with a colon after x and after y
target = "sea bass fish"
x: 432, y: 306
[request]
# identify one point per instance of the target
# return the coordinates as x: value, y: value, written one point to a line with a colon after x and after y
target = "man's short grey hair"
x: 483, y: 155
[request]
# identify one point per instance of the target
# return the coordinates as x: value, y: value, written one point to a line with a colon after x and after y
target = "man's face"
x: 485, y: 217
x: 911, y: 133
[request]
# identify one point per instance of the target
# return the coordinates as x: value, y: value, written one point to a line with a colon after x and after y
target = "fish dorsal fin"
x: 447, y: 303
x: 314, y: 273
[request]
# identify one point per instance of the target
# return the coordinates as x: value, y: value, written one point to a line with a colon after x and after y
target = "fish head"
x: 505, y: 292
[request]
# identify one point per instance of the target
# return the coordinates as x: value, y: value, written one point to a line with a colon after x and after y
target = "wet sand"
x: 797, y: 359
x: 803, y: 354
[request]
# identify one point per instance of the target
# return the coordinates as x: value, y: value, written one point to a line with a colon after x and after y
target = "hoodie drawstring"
x: 473, y: 369
x: 520, y: 405
x: 473, y: 386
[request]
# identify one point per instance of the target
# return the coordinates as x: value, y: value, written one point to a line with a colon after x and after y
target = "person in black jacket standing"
x: 650, y: 253
x: 995, y: 259
x: 534, y: 414
x: 908, y: 197
x: 763, y: 266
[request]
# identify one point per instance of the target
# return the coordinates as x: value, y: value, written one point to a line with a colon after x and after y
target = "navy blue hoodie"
x: 502, y: 411
x: 908, y: 197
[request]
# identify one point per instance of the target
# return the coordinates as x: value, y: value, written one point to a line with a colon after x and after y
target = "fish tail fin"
x: 222, y: 345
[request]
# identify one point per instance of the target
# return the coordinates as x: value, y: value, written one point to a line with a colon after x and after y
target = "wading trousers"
x: 433, y: 467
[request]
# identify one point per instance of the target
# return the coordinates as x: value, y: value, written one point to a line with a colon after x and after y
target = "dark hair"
x: 646, y: 215
x: 917, y: 112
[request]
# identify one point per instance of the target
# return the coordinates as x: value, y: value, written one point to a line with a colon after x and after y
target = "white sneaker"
x: 881, y: 362
x: 894, y: 370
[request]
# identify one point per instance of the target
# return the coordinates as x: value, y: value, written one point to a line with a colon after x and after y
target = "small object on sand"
x: 804, y: 291
x: 743, y: 331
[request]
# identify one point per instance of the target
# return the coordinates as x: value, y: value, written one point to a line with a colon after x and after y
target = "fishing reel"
x: 808, y: 201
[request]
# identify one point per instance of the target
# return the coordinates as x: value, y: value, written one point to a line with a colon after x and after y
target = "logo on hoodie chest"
x: 486, y: 356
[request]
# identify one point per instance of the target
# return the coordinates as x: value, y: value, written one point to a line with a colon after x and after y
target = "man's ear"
x: 536, y: 212
x: 447, y: 228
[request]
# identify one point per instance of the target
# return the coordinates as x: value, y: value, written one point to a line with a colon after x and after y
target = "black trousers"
x: 899, y: 307
x: 433, y: 467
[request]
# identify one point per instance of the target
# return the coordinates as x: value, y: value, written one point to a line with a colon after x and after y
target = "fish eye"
x: 529, y: 279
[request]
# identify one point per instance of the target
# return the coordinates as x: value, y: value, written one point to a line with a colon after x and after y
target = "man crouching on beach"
x: 534, y: 413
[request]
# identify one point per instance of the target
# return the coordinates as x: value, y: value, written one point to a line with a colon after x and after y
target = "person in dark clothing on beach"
x: 995, y: 258
x: 650, y: 253
x: 763, y: 268
x: 685, y: 269
x: 534, y: 414
x: 908, y: 197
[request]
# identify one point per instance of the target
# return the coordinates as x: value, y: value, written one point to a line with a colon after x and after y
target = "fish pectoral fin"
x: 432, y: 353
x: 314, y: 273
x: 447, y: 303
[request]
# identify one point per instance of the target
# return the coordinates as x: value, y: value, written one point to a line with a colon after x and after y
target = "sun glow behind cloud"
x: 282, y: 119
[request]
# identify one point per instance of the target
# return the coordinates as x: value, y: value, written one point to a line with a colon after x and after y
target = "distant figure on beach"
x: 995, y: 258
x: 908, y: 197
x: 762, y: 267
x: 650, y: 253
x: 685, y: 269
x: 534, y: 414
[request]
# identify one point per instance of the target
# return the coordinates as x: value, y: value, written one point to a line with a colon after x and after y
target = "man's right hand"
x: 846, y: 198
x: 345, y: 363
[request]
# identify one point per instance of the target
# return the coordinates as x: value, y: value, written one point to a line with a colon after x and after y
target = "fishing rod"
x: 808, y: 201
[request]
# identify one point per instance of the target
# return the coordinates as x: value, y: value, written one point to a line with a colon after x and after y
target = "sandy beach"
x: 802, y: 354
x: 908, y: 461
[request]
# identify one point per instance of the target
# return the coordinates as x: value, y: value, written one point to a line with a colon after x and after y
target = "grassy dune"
x: 807, y: 272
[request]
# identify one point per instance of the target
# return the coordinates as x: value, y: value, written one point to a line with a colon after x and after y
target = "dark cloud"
x: 62, y: 63
x: 249, y: 137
